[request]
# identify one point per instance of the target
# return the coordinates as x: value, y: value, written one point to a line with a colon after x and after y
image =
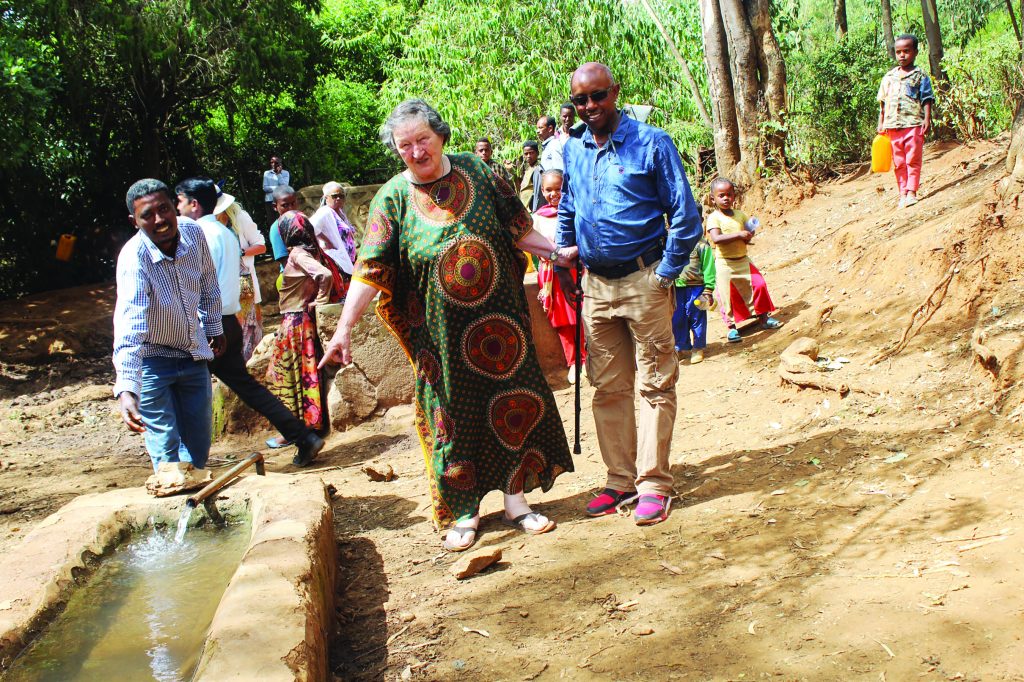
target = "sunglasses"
x: 336, y: 196
x: 595, y: 97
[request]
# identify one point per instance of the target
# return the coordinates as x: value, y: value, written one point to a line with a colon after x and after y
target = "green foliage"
x: 494, y: 68
x: 347, y: 126
x: 99, y: 92
x: 364, y: 38
x: 837, y: 113
x: 25, y: 90
x: 962, y: 19
x: 985, y: 81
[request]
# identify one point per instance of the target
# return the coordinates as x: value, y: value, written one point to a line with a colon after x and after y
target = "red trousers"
x: 907, y: 151
x: 567, y: 335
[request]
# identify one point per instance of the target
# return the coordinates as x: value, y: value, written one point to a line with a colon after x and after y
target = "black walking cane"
x: 579, y: 326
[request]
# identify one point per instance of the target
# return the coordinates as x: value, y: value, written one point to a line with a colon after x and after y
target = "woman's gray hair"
x: 409, y: 109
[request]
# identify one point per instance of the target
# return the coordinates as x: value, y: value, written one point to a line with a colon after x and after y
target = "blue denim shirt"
x: 615, y: 199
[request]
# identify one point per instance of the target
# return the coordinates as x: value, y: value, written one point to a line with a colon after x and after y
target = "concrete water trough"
x: 276, y: 615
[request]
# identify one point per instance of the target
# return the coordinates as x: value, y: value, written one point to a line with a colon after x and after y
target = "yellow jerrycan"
x: 881, y: 154
x: 66, y: 247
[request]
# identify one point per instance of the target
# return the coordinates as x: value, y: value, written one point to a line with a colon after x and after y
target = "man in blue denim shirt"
x: 622, y: 180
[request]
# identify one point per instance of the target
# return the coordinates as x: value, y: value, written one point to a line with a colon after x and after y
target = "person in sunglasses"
x: 333, y: 229
x: 623, y: 183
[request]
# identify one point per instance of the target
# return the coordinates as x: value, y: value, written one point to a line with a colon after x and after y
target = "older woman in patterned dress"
x: 442, y: 246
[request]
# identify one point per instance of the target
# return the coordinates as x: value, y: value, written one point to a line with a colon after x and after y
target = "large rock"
x: 230, y: 414
x: 380, y: 375
x: 351, y: 398
x: 266, y: 273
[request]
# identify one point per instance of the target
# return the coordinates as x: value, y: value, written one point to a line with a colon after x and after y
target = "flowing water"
x: 186, y: 513
x: 143, y: 615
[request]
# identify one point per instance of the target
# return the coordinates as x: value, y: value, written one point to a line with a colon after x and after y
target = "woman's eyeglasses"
x: 595, y: 97
x: 336, y: 196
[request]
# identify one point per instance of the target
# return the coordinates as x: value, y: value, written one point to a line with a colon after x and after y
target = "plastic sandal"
x: 462, y: 532
x: 519, y: 522
x: 734, y: 336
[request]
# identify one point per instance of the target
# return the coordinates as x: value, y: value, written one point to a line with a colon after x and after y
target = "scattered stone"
x: 407, y: 673
x: 641, y: 630
x: 524, y: 614
x: 470, y: 565
x: 407, y: 617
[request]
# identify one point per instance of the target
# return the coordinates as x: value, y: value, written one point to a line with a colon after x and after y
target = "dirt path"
x: 872, y: 537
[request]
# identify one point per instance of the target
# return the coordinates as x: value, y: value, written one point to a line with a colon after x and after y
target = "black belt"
x: 620, y: 270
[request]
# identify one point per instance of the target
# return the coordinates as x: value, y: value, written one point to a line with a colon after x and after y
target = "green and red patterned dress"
x: 443, y: 256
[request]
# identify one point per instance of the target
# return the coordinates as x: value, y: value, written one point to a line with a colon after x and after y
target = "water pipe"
x: 216, y: 484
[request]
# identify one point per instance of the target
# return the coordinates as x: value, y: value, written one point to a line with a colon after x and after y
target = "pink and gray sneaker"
x: 608, y: 501
x: 651, y: 509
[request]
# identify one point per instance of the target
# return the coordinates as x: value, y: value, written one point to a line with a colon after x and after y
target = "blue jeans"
x: 176, y: 407
x: 689, y: 318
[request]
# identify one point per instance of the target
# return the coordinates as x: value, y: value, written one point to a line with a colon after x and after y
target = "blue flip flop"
x: 274, y: 445
x: 734, y: 336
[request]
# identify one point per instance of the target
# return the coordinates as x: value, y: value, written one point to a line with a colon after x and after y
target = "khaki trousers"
x: 629, y: 342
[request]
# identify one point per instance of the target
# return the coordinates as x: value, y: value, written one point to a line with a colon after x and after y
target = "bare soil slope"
x: 815, y: 537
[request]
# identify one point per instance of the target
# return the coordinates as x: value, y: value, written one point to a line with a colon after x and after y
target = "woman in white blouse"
x: 250, y: 317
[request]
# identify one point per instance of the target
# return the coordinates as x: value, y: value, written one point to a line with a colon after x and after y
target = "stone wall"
x: 357, y: 202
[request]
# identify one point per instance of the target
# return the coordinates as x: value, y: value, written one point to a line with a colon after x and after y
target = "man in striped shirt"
x: 167, y: 325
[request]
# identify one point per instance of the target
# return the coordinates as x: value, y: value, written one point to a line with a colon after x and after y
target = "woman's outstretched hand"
x: 339, y: 350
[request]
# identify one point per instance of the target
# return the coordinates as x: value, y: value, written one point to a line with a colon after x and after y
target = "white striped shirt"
x: 165, y: 306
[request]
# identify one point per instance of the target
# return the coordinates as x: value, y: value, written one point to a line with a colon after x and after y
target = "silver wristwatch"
x: 664, y: 282
x: 553, y: 256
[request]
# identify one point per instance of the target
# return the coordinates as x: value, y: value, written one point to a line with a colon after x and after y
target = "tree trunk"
x: 150, y: 134
x: 840, y: 18
x: 1009, y: 188
x: 772, y: 73
x: 890, y: 41
x: 1013, y: 22
x: 723, y: 101
x: 698, y: 99
x: 935, y: 52
x: 743, y: 65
